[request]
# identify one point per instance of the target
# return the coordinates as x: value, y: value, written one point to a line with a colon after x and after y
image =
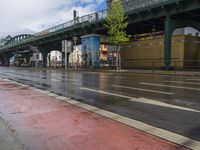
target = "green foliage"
x: 116, y: 23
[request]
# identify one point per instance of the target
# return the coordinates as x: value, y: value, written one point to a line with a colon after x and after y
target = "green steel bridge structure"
x: 143, y: 16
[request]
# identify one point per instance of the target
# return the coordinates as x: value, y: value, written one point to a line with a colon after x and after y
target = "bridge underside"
x: 157, y: 24
x: 167, y: 23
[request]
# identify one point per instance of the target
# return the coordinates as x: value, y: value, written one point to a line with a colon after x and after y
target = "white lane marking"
x: 171, y: 86
x: 141, y: 100
x: 104, y: 92
x: 117, y: 77
x: 191, y: 83
x: 171, y: 76
x: 65, y: 75
x: 107, y: 75
x: 146, y: 90
x: 110, y: 77
x: 157, y: 103
x: 193, y: 79
x: 74, y: 80
x: 56, y: 80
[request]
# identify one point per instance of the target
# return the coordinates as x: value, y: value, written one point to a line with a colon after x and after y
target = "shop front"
x: 109, y: 56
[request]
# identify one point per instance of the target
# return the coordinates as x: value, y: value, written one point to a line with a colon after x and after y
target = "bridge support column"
x: 2, y: 60
x: 169, y: 28
x: 5, y: 59
x: 45, y: 53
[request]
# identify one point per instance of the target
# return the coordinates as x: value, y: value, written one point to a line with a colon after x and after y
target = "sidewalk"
x: 43, y: 122
x: 8, y: 140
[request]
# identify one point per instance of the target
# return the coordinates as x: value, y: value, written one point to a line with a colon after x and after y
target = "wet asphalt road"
x: 123, y: 93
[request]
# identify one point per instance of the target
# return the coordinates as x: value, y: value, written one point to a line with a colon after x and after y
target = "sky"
x: 32, y: 16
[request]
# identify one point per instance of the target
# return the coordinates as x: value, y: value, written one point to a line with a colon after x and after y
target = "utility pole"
x: 75, y: 39
x: 64, y: 49
x: 66, y: 58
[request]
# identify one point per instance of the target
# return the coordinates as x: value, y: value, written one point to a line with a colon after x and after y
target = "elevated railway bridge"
x: 143, y: 16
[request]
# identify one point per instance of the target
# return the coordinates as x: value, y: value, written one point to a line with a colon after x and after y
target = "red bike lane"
x: 45, y: 123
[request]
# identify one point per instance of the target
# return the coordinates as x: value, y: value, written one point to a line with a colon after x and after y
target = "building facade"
x: 149, y: 53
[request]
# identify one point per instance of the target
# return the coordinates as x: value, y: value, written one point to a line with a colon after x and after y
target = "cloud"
x: 30, y: 16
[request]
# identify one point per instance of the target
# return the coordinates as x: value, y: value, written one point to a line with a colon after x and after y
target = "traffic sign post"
x: 66, y: 48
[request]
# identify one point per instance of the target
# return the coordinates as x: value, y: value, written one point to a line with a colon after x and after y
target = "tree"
x: 116, y: 23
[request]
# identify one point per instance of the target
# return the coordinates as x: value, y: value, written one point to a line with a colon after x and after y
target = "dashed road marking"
x: 141, y: 100
x: 180, y: 82
x: 57, y: 80
x: 194, y: 79
x: 104, y: 92
x: 146, y: 90
x: 171, y: 86
x: 157, y: 103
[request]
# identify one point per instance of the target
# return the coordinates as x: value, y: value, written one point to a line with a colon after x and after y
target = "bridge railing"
x: 130, y: 5
x: 91, y: 18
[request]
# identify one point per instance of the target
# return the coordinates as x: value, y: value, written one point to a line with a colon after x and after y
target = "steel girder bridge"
x: 143, y: 16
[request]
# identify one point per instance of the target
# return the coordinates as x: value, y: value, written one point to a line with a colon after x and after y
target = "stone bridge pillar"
x: 45, y: 51
x: 5, y: 59
x: 169, y: 28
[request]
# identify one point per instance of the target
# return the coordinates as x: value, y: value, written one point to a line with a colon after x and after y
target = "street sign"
x: 63, y: 46
x: 69, y: 46
x: 66, y: 46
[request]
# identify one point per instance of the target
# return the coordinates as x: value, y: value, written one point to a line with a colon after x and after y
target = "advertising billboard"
x: 90, y: 50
